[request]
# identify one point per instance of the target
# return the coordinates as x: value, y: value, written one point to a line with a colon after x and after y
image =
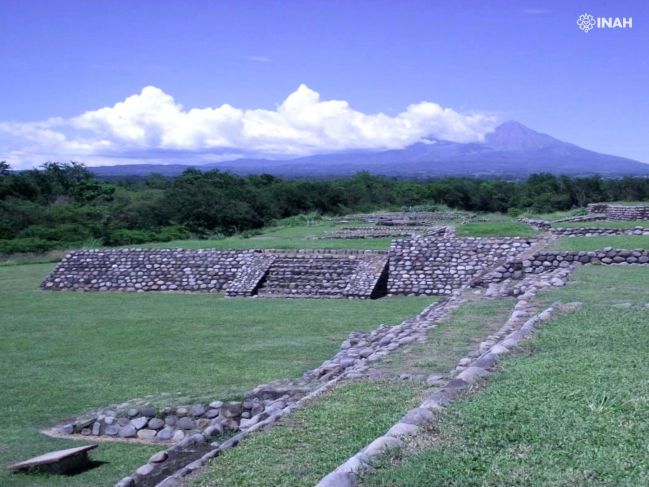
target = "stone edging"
x: 351, y: 361
x: 544, y: 261
x: 213, y: 449
x: 596, y: 231
x: 509, y: 336
x: 351, y: 233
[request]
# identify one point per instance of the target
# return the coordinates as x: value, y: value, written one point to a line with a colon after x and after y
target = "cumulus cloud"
x: 151, y: 125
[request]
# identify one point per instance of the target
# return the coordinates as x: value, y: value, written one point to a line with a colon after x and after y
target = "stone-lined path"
x: 469, y: 370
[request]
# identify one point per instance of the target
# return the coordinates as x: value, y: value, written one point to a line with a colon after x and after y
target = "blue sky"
x: 461, y: 66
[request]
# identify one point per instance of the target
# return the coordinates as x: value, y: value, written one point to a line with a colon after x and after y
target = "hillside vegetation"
x: 65, y: 206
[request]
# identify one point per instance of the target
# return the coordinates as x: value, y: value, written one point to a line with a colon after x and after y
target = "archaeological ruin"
x: 430, y: 260
x: 416, y: 266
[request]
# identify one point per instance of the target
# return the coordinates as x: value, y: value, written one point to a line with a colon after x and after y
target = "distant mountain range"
x: 511, y: 151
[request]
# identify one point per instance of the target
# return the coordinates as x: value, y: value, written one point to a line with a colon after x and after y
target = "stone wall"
x: 546, y: 226
x: 591, y: 217
x: 541, y: 225
x: 594, y: 231
x: 383, y: 232
x: 408, y: 218
x: 370, y: 277
x: 597, y: 208
x: 619, y: 212
x: 550, y: 260
x: 168, y: 424
x: 417, y: 266
x: 147, y: 270
x: 272, y: 273
x: 251, y: 276
x: 425, y: 266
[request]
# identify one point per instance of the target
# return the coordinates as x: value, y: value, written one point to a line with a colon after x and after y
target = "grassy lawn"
x: 449, y: 341
x: 604, y: 224
x: 64, y: 353
x: 595, y: 243
x: 287, y: 237
x: 495, y: 229
x: 326, y: 433
x: 573, y: 409
x: 315, y: 440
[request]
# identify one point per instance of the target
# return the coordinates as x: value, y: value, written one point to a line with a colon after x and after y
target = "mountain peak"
x: 514, y: 136
x: 511, y: 150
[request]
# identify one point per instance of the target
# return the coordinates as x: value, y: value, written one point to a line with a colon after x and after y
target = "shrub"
x: 31, y: 244
x: 300, y: 220
x: 251, y: 233
x: 172, y: 232
x: 65, y: 232
x: 128, y: 237
x: 216, y: 236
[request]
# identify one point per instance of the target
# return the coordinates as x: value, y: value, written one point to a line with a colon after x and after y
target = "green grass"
x: 315, y: 440
x: 595, y: 243
x: 495, y: 229
x: 318, y: 439
x: 32, y: 258
x: 287, y: 237
x: 603, y: 224
x: 572, y: 410
x: 556, y: 215
x: 628, y: 203
x: 62, y: 354
x: 449, y: 341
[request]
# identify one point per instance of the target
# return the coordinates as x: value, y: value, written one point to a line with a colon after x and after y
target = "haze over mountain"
x: 512, y: 150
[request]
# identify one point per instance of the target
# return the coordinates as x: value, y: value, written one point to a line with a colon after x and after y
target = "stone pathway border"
x: 351, y: 361
x: 470, y: 371
x: 213, y: 449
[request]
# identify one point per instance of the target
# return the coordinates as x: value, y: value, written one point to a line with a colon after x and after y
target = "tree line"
x: 63, y: 205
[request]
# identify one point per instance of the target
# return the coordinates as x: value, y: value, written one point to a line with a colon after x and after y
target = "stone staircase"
x: 325, y: 276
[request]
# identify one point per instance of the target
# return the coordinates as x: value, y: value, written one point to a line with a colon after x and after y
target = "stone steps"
x: 320, y: 276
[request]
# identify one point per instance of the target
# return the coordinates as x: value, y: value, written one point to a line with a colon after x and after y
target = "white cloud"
x: 259, y: 59
x: 151, y: 126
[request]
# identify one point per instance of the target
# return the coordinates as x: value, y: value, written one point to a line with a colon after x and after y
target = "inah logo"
x: 587, y: 22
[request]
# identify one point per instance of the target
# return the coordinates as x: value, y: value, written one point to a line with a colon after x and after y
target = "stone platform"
x: 58, y: 462
x: 314, y: 273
